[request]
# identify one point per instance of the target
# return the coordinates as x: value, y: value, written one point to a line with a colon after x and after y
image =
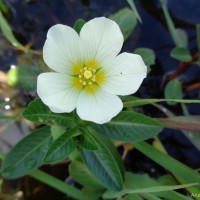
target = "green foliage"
x: 95, y: 162
x: 12, y: 77
x: 112, y: 194
x: 23, y: 76
x: 183, y: 38
x: 181, y: 54
x: 184, y: 173
x: 130, y: 127
x: 60, y: 148
x: 91, y: 193
x: 87, y: 141
x: 7, y: 32
x: 172, y: 30
x: 141, y: 102
x: 173, y: 90
x: 57, y: 184
x: 40, y: 113
x: 27, y: 155
x: 78, y: 25
x: 126, y: 20
x: 147, y: 55
x: 132, y: 5
x: 105, y: 163
x: 82, y: 175
x: 57, y: 131
x: 141, y: 182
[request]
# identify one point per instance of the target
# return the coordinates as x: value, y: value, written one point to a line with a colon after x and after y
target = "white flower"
x: 89, y: 73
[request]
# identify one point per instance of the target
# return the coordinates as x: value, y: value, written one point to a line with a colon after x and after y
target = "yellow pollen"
x: 87, y: 74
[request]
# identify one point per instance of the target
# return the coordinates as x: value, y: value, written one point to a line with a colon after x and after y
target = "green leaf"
x: 126, y: 20
x: 57, y: 131
x: 174, y: 166
x: 60, y: 148
x: 189, y: 123
x: 105, y: 163
x: 181, y: 54
x: 173, y: 90
x: 198, y: 35
x: 112, y: 194
x: 88, y: 142
x: 82, y: 175
x: 78, y: 25
x: 12, y: 76
x: 54, y: 182
x: 172, y: 30
x: 147, y: 55
x: 132, y: 5
x: 24, y: 77
x: 40, y: 113
x: 92, y: 193
x: 7, y: 32
x: 137, y: 181
x: 129, y: 127
x: 58, y: 184
x: 133, y: 197
x: 183, y: 38
x: 27, y: 155
x: 141, y: 102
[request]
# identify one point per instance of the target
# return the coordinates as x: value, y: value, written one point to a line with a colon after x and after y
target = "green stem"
x: 170, y: 24
x: 57, y: 184
x: 53, y: 182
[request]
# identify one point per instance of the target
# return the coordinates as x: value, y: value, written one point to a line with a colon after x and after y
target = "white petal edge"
x: 62, y: 48
x: 99, y: 108
x: 102, y: 39
x: 124, y: 74
x: 56, y: 91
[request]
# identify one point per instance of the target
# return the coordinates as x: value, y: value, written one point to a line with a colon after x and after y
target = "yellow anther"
x: 85, y: 68
x: 84, y: 83
x: 80, y: 76
x: 80, y: 80
x: 87, y: 74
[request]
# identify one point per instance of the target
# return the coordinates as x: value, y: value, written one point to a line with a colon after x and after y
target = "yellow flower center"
x: 87, y: 76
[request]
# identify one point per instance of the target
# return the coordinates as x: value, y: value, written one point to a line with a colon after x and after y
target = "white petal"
x: 124, y: 74
x: 102, y: 39
x: 55, y: 90
x: 62, y: 48
x: 100, y: 107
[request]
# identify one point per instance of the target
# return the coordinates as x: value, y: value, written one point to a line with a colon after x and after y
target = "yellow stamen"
x: 87, y: 74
